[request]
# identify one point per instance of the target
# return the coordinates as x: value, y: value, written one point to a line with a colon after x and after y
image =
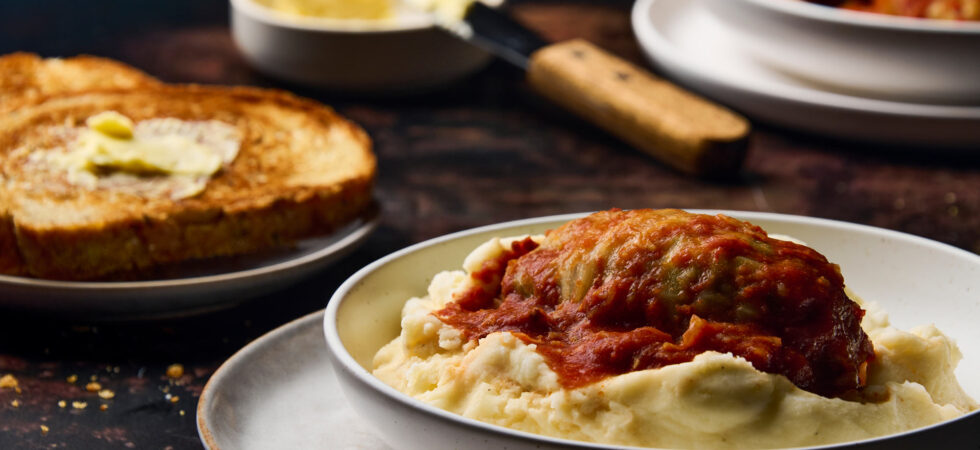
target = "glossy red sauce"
x: 930, y: 9
x: 620, y: 291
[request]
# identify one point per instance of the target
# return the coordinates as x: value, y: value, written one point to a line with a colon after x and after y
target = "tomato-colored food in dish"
x: 620, y: 291
x: 928, y: 9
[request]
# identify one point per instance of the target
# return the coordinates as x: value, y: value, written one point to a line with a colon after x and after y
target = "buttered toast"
x: 26, y: 78
x: 288, y: 168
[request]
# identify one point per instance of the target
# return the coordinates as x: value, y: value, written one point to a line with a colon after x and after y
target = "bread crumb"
x: 44, y: 429
x: 79, y: 405
x: 106, y: 394
x: 8, y: 382
x: 72, y: 378
x: 93, y: 378
x: 62, y: 403
x: 175, y: 371
x: 182, y: 412
x: 15, y: 403
x: 174, y: 399
x: 93, y: 387
x: 103, y: 407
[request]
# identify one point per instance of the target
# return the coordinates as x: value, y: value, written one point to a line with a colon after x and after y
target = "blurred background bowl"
x: 897, y: 58
x: 399, y: 55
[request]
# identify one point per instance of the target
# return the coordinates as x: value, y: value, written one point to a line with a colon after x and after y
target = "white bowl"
x: 862, y: 53
x: 914, y: 279
x: 376, y: 56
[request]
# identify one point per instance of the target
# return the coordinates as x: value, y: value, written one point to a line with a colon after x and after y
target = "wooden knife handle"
x: 681, y: 129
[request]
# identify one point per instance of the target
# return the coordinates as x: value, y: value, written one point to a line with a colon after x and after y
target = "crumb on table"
x: 175, y: 371
x: 8, y: 381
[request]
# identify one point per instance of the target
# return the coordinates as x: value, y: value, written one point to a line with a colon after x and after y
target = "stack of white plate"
x: 823, y: 70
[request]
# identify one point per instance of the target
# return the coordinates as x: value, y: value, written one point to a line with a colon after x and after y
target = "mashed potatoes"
x: 716, y: 400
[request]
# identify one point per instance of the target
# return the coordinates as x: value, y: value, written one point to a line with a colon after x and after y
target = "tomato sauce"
x: 620, y: 291
x: 927, y: 9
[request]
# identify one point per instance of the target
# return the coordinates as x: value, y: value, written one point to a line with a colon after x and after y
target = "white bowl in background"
x: 400, y: 55
x: 877, y: 55
x: 915, y: 280
x: 686, y: 42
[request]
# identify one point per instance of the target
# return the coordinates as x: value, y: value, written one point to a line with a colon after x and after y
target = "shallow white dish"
x: 191, y: 288
x: 884, y: 56
x: 279, y: 392
x: 907, y: 275
x: 688, y: 43
x: 364, y: 56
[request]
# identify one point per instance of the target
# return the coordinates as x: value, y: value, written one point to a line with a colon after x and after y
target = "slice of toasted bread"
x: 300, y: 170
x: 26, y: 78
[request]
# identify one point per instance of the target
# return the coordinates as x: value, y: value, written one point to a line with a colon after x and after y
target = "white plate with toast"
x: 151, y: 185
x: 686, y: 42
x: 188, y: 288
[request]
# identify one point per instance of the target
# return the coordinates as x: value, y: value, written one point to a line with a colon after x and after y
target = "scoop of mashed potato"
x: 717, y: 400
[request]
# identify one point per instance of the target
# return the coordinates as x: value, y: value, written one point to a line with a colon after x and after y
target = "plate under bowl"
x: 914, y: 279
x: 877, y: 55
x: 279, y: 392
x: 685, y: 41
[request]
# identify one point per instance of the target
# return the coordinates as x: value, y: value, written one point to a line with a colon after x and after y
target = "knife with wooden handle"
x: 681, y: 129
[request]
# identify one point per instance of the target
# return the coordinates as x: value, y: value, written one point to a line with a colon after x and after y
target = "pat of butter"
x: 111, y: 123
x: 335, y: 9
x: 109, y: 144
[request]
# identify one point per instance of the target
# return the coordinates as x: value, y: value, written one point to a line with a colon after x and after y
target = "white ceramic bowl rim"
x: 649, y: 35
x: 349, y: 365
x: 867, y: 19
x: 327, y: 24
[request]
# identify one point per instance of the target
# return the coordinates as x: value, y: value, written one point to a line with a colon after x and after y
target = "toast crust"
x: 301, y: 170
x: 10, y: 260
x: 26, y: 78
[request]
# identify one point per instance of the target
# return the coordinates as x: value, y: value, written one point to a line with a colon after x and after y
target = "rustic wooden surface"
x: 478, y: 152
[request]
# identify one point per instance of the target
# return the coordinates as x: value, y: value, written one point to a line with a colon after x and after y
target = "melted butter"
x: 334, y: 9
x: 449, y: 12
x: 157, y: 157
x: 445, y: 10
x: 109, y: 144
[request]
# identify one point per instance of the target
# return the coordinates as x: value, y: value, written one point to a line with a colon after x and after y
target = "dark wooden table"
x: 481, y: 151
